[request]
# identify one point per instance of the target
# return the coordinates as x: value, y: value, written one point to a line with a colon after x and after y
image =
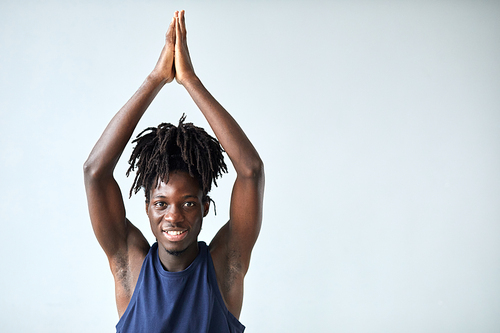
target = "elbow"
x: 91, y: 170
x: 254, y: 169
x: 258, y: 169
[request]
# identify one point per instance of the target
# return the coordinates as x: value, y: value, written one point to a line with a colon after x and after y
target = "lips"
x: 175, y: 235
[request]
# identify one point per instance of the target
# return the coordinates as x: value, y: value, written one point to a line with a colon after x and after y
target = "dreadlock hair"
x: 167, y: 148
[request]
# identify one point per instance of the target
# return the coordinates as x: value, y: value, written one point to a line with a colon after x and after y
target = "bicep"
x: 107, y: 214
x: 246, y: 215
x: 231, y: 248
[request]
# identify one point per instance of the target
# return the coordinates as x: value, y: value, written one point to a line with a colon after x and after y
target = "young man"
x: 178, y: 284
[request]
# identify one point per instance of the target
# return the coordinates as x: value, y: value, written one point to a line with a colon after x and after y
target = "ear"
x: 147, y: 204
x: 206, y: 208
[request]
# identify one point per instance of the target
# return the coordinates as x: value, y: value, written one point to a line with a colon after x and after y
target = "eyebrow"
x: 160, y: 196
x: 190, y: 196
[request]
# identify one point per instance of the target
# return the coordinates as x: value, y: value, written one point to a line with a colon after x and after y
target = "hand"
x: 184, y: 70
x: 164, y: 69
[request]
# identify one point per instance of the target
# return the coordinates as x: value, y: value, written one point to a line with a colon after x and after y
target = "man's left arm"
x: 232, y: 246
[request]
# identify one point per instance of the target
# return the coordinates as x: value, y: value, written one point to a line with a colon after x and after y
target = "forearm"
x: 238, y: 147
x: 108, y: 149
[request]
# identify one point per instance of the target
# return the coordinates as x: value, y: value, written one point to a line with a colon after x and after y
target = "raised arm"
x: 232, y: 246
x: 120, y: 240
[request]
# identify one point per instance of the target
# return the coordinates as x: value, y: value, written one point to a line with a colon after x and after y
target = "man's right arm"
x: 123, y: 243
x: 105, y: 201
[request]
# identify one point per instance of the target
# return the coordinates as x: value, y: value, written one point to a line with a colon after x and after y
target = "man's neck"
x: 180, y: 261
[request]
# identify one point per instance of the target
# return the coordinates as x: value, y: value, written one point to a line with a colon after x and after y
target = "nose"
x: 173, y: 215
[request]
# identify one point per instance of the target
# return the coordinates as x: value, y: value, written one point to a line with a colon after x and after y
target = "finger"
x: 183, y: 22
x: 177, y: 28
x: 171, y: 31
x: 176, y: 15
x: 174, y: 34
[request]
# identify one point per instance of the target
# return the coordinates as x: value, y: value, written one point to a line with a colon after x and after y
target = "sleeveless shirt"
x: 187, y: 301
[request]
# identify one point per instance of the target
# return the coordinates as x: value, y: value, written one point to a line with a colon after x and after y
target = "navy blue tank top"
x: 187, y: 301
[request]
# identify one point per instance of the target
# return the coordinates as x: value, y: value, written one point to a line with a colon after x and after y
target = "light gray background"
x: 378, y: 122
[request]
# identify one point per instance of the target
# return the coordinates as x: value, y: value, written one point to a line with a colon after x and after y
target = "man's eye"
x: 160, y: 204
x: 189, y: 204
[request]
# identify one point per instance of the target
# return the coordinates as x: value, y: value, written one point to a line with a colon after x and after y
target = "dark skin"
x: 175, y: 209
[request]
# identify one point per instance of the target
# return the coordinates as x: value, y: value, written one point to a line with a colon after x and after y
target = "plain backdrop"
x: 379, y: 126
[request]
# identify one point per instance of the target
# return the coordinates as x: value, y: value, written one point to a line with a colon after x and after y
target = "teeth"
x: 174, y: 232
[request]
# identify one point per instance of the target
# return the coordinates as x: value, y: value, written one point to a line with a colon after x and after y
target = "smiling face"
x: 176, y: 210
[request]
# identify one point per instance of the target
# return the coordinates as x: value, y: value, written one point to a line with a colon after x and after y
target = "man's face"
x: 176, y: 211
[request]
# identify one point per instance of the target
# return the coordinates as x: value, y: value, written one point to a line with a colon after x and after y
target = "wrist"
x: 190, y: 81
x: 156, y: 79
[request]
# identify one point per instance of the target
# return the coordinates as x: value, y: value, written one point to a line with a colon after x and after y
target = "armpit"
x: 122, y: 274
x: 232, y: 269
